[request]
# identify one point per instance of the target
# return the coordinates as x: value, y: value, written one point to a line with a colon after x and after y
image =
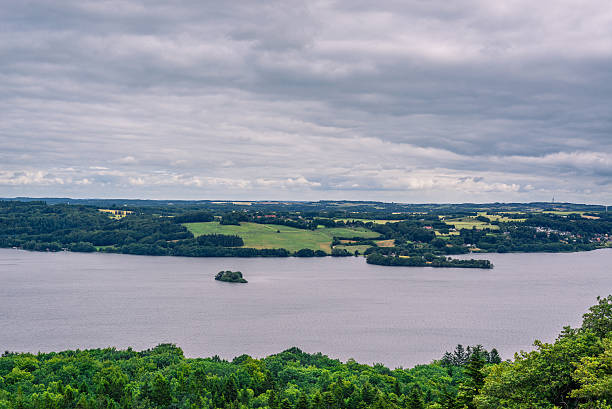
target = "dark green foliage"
x: 572, y: 372
x: 194, y: 217
x: 341, y: 253
x: 164, y: 378
x: 305, y: 253
x: 599, y: 317
x: 310, y: 253
x: 473, y: 382
x: 461, y: 356
x: 233, y: 218
x: 222, y: 240
x: 82, y: 247
x: 189, y: 250
x: 414, y: 399
x: 295, y: 222
x: 448, y: 399
x: 230, y: 277
x: 426, y: 261
x: 303, y: 402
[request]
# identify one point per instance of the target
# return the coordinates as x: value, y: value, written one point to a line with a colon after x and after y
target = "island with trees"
x: 230, y: 277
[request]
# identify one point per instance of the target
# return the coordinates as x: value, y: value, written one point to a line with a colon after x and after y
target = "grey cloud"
x: 348, y: 99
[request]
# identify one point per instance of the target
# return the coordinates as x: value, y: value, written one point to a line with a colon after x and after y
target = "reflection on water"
x: 343, y: 307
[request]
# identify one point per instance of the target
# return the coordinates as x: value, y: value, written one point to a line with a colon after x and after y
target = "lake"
x: 343, y: 307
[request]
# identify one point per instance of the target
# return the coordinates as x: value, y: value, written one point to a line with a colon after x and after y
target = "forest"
x: 575, y: 371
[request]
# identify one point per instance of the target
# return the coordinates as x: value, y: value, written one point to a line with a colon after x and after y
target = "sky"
x: 390, y: 100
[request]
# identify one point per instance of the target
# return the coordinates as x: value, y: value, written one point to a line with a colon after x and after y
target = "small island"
x: 230, y: 277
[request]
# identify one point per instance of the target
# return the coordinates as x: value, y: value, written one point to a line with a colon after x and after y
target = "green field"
x: 501, y: 219
x: 270, y: 236
x: 468, y: 223
x: 351, y: 249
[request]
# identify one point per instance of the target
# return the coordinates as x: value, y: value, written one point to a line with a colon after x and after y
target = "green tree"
x: 448, y: 399
x: 474, y: 380
x: 414, y: 399
x: 111, y: 382
x: 599, y: 317
x: 161, y: 392
x: 273, y: 401
x: 303, y: 402
x: 541, y: 378
x: 594, y: 374
x: 230, y: 389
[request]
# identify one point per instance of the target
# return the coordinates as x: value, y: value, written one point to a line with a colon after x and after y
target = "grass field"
x: 268, y: 236
x: 352, y: 249
x: 496, y: 217
x: 468, y: 223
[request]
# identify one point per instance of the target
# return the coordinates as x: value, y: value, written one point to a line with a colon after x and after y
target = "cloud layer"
x: 393, y: 100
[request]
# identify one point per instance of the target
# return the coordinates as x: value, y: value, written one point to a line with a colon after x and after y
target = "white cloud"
x: 580, y: 160
x: 126, y: 160
x: 29, y: 178
x: 288, y: 183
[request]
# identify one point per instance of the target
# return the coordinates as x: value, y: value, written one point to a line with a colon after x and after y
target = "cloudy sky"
x: 394, y: 100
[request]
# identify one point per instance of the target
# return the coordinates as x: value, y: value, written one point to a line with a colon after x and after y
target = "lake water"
x: 343, y: 307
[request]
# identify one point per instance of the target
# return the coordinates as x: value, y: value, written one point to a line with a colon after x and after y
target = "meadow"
x: 470, y: 222
x: 269, y: 236
x: 351, y: 249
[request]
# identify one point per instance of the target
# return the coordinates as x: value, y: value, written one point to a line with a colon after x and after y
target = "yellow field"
x: 385, y: 243
x: 115, y: 214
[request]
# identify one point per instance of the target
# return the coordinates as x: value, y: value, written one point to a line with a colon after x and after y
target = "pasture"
x: 268, y: 236
x: 497, y: 217
x: 469, y: 223
x: 351, y: 249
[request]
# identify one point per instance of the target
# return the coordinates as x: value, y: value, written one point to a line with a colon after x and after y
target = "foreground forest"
x: 416, y: 236
x: 575, y: 371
